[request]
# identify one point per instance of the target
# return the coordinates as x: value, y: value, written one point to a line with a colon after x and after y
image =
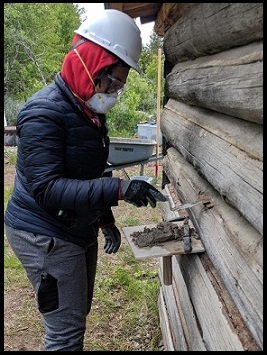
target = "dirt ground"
x: 24, y: 336
x: 8, y: 175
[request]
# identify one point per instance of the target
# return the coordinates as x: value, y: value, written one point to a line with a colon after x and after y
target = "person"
x: 62, y: 196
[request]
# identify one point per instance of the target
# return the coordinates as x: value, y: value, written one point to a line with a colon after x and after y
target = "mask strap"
x: 82, y: 40
x: 87, y: 71
x: 78, y: 97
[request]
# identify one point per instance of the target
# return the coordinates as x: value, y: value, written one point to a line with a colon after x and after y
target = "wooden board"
x: 168, y: 248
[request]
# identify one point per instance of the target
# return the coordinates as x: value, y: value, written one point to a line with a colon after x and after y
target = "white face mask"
x: 102, y: 103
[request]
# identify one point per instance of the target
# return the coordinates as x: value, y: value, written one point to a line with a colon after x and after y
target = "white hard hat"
x: 115, y: 31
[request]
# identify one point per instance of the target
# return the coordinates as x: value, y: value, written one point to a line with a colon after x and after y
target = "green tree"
x: 139, y: 102
x: 36, y: 38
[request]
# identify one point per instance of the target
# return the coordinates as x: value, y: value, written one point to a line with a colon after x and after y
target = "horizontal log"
x: 229, y: 82
x: 214, y: 144
x: 209, y: 28
x: 168, y: 14
x: 234, y: 247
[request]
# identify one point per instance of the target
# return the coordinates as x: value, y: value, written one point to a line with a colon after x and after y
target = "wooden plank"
x: 233, y: 245
x: 176, y: 329
x: 229, y: 310
x: 233, y: 82
x: 209, y: 28
x: 189, y: 318
x: 167, y: 213
x: 10, y: 129
x: 135, y: 10
x: 215, y: 145
x: 167, y: 270
x: 164, y: 324
x: 163, y: 249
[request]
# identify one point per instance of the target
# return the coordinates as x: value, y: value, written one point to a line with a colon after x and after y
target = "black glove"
x: 112, y: 238
x: 107, y: 218
x: 140, y: 193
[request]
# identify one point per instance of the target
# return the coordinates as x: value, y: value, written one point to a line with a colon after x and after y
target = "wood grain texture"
x: 233, y: 245
x: 185, y: 307
x: 168, y: 14
x: 164, y: 324
x: 214, y: 144
x: 209, y: 28
x: 217, y: 331
x: 229, y: 82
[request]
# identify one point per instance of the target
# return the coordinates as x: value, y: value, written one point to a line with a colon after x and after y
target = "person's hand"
x: 112, y: 238
x: 140, y: 193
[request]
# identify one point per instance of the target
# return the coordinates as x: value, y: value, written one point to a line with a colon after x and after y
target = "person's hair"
x: 121, y: 63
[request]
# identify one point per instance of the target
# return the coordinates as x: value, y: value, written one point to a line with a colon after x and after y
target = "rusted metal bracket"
x: 187, y: 236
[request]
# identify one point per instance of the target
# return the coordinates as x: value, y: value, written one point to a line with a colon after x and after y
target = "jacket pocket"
x: 48, y: 294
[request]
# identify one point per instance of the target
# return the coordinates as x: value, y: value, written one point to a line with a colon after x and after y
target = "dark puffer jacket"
x: 59, y: 187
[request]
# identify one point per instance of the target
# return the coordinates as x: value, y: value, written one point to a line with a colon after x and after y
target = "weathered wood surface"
x: 209, y: 28
x: 182, y: 306
x: 234, y: 247
x: 168, y: 14
x: 10, y: 129
x: 167, y: 213
x: 194, y: 306
x: 222, y: 309
x: 230, y: 82
x: 165, y: 249
x: 227, y: 151
x: 175, y: 323
x: 167, y: 270
x: 164, y: 324
x: 210, y: 304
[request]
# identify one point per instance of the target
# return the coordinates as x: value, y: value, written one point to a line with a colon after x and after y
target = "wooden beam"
x: 167, y: 270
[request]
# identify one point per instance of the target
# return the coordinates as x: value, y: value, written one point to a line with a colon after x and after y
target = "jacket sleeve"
x: 107, y: 219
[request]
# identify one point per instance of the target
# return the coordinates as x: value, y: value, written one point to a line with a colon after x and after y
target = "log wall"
x: 212, y: 128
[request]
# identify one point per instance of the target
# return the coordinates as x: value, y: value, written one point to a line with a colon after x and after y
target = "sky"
x: 146, y: 29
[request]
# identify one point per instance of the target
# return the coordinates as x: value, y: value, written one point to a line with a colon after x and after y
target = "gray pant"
x: 63, y: 276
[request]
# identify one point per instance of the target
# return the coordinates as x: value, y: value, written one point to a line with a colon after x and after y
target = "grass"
x: 10, y: 155
x: 124, y: 314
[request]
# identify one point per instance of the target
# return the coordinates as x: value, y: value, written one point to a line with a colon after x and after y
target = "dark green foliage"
x: 36, y: 38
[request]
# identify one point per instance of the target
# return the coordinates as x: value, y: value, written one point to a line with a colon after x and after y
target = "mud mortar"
x: 164, y: 231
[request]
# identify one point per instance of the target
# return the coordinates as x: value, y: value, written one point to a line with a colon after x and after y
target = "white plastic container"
x: 142, y: 177
x: 148, y: 131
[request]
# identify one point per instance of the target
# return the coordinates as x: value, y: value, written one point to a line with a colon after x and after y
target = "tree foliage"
x: 36, y: 38
x: 139, y: 102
